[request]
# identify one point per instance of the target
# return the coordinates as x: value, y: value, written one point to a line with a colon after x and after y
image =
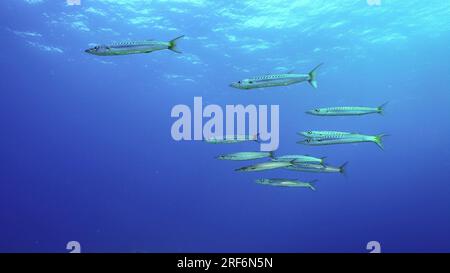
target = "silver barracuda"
x: 277, y: 80
x: 265, y: 166
x: 347, y: 111
x: 320, y: 134
x: 351, y: 138
x: 300, y: 159
x: 245, y: 156
x: 290, y: 183
x: 134, y: 47
x: 315, y: 168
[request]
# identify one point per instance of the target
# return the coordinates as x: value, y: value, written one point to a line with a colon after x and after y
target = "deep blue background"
x: 86, y: 152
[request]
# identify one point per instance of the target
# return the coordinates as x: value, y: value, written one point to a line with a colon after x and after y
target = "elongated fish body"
x: 276, y: 80
x: 273, y: 80
x: 265, y: 166
x: 245, y: 156
x: 347, y: 111
x: 300, y: 159
x: 351, y: 138
x: 321, y: 134
x: 133, y: 47
x: 232, y: 139
x: 280, y: 182
x: 315, y: 168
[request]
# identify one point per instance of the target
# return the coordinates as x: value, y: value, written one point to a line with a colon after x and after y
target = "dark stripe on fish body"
x: 128, y: 44
x: 333, y: 136
x: 267, y: 78
x: 338, y: 109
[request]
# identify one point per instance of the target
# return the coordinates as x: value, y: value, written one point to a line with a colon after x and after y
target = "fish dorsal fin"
x: 291, y: 71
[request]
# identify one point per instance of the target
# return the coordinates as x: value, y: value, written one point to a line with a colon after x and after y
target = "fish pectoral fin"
x: 293, y: 162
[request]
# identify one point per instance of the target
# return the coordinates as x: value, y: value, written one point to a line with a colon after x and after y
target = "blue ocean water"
x: 87, y: 154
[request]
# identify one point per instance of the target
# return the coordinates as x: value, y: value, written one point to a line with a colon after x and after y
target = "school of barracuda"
x: 295, y: 162
x: 302, y: 163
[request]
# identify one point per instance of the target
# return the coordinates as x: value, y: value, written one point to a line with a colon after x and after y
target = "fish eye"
x: 309, y: 132
x: 317, y: 110
x: 250, y: 82
x: 239, y: 82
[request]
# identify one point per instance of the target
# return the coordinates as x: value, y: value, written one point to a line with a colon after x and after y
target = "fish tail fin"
x: 323, y: 160
x: 379, y: 140
x: 382, y: 108
x: 312, y: 183
x: 343, y: 169
x: 313, y: 75
x: 173, y: 44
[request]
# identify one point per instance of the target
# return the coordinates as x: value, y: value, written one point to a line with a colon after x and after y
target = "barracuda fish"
x: 277, y: 80
x: 291, y: 183
x: 265, y: 166
x: 232, y: 139
x: 136, y: 47
x: 245, y: 156
x: 300, y: 159
x: 352, y: 138
x: 315, y: 168
x: 347, y: 111
x: 320, y: 134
